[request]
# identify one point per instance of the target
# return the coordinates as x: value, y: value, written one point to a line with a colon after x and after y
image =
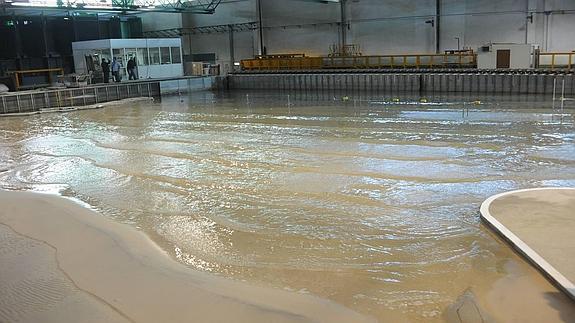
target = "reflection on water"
x: 369, y: 202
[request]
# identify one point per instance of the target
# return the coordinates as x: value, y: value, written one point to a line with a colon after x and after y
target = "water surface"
x: 360, y: 199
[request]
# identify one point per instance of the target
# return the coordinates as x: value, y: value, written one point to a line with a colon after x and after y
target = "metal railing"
x: 559, y: 60
x: 281, y: 63
x: 33, y: 101
x: 403, y: 61
x: 551, y: 61
x: 460, y: 60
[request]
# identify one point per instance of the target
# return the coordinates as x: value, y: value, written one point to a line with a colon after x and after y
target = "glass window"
x: 117, y: 53
x: 103, y: 53
x: 142, y: 56
x: 176, y: 58
x: 165, y: 51
x: 129, y: 53
x: 154, y: 56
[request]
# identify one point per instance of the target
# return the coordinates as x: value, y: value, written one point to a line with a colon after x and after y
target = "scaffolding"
x: 215, y: 29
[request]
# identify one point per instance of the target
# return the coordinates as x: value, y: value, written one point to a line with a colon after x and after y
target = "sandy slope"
x: 61, y: 262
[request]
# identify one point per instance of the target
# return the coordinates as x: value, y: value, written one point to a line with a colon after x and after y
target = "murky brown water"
x: 371, y: 203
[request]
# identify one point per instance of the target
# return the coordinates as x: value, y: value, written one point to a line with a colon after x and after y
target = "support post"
x: 260, y: 28
x: 343, y: 24
x: 34, y: 105
x: 232, y: 52
x: 437, y: 25
x: 527, y: 19
x: 554, y: 90
x: 563, y: 94
x: 45, y: 42
x: 17, y: 46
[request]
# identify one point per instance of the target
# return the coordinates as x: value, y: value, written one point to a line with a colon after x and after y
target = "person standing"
x: 132, y: 69
x: 116, y: 70
x: 106, y: 70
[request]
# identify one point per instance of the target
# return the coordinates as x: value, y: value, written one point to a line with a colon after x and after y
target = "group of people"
x: 115, y: 67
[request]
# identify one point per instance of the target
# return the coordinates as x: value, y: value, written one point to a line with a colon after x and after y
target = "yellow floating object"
x: 423, y: 100
x: 476, y: 102
x: 345, y: 98
x: 395, y: 100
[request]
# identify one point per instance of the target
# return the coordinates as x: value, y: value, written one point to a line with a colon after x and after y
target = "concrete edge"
x: 539, y: 262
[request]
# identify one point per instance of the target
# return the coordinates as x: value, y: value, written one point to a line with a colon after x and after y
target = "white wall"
x: 520, y: 56
x: 300, y: 26
x: 554, y: 33
x: 381, y: 27
x: 378, y: 26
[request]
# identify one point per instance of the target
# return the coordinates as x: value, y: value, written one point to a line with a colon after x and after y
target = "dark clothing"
x: 117, y: 76
x: 132, y: 69
x: 132, y: 74
x: 106, y: 71
x: 131, y: 64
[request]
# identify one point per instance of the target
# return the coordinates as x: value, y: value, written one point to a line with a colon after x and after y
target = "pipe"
x: 232, y: 52
x: 343, y: 24
x: 260, y: 27
x: 437, y: 25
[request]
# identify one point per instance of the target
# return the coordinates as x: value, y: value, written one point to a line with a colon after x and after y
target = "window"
x: 176, y: 58
x: 117, y: 53
x: 165, y: 51
x: 103, y: 53
x: 142, y: 56
x: 207, y: 57
x: 129, y: 53
x: 154, y: 56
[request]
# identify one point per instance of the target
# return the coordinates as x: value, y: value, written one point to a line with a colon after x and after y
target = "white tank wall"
x: 380, y: 27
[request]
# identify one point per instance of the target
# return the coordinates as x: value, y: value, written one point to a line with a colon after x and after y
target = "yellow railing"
x: 462, y: 60
x: 403, y: 61
x: 290, y: 63
x: 557, y: 60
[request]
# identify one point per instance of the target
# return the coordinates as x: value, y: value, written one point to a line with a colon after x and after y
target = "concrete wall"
x: 379, y: 27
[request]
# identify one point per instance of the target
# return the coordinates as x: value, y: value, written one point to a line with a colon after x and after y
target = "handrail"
x: 558, y: 60
x: 551, y: 60
x: 459, y: 60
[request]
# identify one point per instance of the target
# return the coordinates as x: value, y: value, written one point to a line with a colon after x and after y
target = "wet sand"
x: 539, y: 223
x: 62, y: 262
